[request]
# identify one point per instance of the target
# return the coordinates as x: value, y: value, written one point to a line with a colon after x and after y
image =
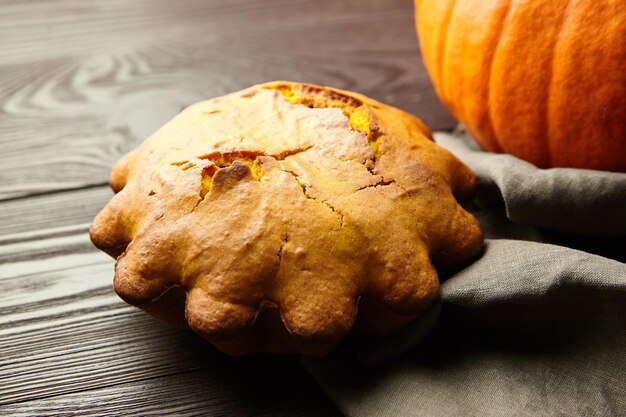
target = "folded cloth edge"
x: 539, y: 269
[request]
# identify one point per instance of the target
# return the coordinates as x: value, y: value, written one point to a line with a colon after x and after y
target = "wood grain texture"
x: 227, y: 391
x: 82, y: 83
x: 51, y: 211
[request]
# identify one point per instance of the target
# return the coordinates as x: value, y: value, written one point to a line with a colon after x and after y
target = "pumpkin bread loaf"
x: 281, y: 217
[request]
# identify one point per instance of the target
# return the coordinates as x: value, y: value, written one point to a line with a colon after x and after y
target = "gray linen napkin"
x: 529, y: 328
x: 568, y: 200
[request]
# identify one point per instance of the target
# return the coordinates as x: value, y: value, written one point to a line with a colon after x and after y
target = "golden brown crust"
x: 277, y: 209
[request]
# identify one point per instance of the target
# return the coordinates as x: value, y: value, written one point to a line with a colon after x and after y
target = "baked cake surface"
x: 280, y: 217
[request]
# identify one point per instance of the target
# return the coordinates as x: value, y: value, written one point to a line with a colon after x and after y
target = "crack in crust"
x: 224, y: 159
x: 380, y: 183
x: 279, y: 253
x: 309, y: 200
x: 307, y: 194
x: 354, y: 109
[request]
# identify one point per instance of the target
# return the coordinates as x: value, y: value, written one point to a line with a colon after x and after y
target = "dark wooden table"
x: 81, y: 83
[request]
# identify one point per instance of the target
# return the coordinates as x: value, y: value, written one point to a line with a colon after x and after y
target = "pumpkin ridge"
x: 487, y: 120
x: 546, y: 113
x: 444, y: 46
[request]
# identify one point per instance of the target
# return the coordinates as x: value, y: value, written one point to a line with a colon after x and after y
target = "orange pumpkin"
x: 542, y: 80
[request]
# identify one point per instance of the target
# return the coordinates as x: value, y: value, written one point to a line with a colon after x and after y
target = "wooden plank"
x: 92, y: 82
x: 50, y: 214
x: 258, y: 387
x: 64, y: 331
